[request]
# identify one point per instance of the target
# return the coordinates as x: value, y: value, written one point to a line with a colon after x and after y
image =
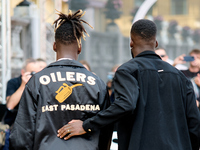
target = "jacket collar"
x: 66, y: 62
x: 148, y: 54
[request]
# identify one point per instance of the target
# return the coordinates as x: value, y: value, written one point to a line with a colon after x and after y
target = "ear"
x: 22, y: 72
x: 156, y: 43
x: 54, y: 46
x: 131, y: 44
x: 79, y: 49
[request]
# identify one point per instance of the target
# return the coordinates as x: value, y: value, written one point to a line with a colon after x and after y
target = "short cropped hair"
x: 144, y: 28
x: 40, y: 59
x: 195, y: 51
x: 29, y: 60
x: 157, y: 48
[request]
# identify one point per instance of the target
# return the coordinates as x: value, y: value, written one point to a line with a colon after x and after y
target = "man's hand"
x: 179, y: 60
x: 73, y: 128
x: 25, y: 77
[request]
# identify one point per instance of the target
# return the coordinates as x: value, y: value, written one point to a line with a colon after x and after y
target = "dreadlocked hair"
x: 69, y: 28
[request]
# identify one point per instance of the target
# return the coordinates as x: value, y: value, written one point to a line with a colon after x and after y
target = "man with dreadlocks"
x: 63, y: 91
x: 154, y: 102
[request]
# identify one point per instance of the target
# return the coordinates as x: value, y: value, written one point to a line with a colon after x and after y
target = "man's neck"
x: 64, y: 59
x: 138, y: 51
x: 65, y: 56
x: 67, y: 51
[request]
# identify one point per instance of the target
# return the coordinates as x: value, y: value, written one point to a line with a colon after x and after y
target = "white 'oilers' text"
x: 69, y: 76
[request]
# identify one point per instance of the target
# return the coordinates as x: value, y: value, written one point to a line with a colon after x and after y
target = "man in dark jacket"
x: 63, y: 91
x: 154, y: 102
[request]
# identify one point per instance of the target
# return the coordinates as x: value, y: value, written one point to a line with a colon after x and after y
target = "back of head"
x: 145, y: 29
x: 69, y: 28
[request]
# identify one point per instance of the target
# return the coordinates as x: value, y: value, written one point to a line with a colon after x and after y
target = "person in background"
x: 15, y: 88
x: 154, y: 102
x: 115, y: 67
x: 162, y: 53
x: 196, y: 84
x: 62, y: 91
x: 85, y: 64
x: 194, y: 67
x: 109, y: 86
x: 110, y: 83
x: 193, y: 72
x: 41, y: 63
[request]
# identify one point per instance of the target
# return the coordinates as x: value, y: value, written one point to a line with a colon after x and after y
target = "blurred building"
x: 31, y: 21
x: 185, y: 12
x: 179, y: 10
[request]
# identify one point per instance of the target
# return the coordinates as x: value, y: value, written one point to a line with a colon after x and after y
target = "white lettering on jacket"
x: 69, y: 76
x: 87, y: 107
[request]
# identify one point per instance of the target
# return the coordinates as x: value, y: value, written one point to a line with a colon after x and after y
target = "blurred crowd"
x: 189, y: 67
x: 192, y: 72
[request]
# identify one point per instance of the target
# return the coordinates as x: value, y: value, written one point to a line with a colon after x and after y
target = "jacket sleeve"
x: 126, y: 96
x: 22, y: 134
x: 193, y: 117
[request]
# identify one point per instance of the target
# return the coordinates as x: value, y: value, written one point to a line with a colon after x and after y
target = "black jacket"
x: 155, y: 105
x: 63, y: 91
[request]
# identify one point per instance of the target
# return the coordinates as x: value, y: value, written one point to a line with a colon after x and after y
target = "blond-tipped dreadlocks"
x: 69, y: 28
